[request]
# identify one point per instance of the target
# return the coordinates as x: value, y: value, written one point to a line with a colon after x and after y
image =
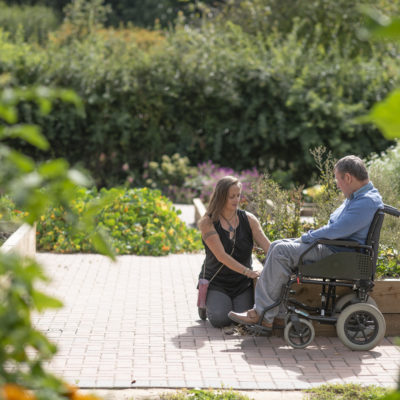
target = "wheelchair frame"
x: 359, y: 323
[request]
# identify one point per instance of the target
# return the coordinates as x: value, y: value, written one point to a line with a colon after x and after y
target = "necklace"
x: 231, y: 228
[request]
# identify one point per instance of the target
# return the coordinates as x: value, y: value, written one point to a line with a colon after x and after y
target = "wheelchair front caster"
x: 202, y: 313
x: 299, y: 334
x: 361, y: 326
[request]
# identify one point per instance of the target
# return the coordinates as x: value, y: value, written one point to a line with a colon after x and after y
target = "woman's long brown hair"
x: 219, y: 196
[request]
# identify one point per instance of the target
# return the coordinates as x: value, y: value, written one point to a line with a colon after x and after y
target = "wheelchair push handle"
x: 391, y: 210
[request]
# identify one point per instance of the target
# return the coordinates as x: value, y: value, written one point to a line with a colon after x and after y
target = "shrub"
x: 209, y: 174
x: 329, y: 198
x: 323, y: 23
x: 278, y: 209
x: 138, y: 221
x: 173, y: 176
x: 32, y: 186
x: 29, y: 23
x: 217, y: 93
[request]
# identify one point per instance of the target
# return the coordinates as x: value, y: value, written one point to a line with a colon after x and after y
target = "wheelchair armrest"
x: 338, y: 242
x: 344, y: 243
x: 341, y: 243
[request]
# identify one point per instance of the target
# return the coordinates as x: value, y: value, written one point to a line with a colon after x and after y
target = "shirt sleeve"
x: 355, y: 217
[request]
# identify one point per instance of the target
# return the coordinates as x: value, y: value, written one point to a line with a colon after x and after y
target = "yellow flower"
x: 12, y: 391
x: 165, y: 248
x: 42, y: 218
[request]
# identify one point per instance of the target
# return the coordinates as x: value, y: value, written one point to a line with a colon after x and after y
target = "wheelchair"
x: 359, y: 323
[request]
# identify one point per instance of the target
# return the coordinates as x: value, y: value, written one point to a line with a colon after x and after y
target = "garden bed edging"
x: 22, y: 241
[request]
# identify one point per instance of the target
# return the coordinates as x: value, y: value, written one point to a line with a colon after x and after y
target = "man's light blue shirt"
x: 351, y: 220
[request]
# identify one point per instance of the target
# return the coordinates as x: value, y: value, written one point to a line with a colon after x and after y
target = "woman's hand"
x: 252, y: 274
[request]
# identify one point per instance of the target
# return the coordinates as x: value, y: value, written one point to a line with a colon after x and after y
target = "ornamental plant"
x: 174, y: 176
x: 138, y: 221
x: 210, y: 173
x: 32, y: 187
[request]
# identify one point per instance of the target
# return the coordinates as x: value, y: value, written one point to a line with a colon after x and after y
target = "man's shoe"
x: 249, y: 317
x: 279, y: 323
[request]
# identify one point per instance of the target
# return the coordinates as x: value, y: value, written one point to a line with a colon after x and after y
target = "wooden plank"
x: 385, y: 293
x: 392, y: 326
x: 387, y: 296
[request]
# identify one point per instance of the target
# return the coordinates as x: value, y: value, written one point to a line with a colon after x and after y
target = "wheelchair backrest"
x: 375, y: 230
x: 373, y: 236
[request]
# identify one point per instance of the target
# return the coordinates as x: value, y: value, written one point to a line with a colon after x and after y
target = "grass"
x: 345, y: 392
x: 323, y: 392
x: 200, y: 394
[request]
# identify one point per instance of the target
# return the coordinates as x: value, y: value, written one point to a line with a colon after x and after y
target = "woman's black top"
x: 228, y: 281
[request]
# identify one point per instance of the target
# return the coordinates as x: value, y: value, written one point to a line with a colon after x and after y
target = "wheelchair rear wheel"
x: 302, y: 336
x: 361, y: 326
x: 347, y: 299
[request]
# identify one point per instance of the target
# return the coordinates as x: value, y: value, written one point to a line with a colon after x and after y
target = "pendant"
x: 231, y: 229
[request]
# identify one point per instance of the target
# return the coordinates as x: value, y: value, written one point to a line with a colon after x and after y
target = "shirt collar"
x: 362, y: 190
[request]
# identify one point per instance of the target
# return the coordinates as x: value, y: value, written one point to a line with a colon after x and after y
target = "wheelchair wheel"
x: 202, y: 313
x: 299, y: 339
x: 361, y: 326
x: 346, y: 300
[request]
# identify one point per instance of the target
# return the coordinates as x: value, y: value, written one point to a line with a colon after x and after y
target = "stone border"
x: 199, y: 209
x: 22, y: 241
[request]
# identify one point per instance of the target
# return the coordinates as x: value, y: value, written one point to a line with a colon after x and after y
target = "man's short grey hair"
x: 352, y: 165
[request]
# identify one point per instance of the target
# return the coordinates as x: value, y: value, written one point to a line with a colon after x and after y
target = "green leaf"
x: 102, y: 244
x: 9, y: 114
x: 29, y: 133
x: 53, y: 169
x: 43, y: 301
x: 22, y: 162
x: 386, y: 115
x: 391, y: 31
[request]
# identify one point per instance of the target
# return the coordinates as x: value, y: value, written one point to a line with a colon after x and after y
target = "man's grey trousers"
x: 282, y: 257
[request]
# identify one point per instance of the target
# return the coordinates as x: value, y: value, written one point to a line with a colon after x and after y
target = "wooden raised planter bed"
x: 386, y: 293
x: 22, y: 241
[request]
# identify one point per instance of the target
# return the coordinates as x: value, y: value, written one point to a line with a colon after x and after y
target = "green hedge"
x: 220, y: 94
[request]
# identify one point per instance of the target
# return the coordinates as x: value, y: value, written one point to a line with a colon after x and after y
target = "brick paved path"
x: 136, y: 321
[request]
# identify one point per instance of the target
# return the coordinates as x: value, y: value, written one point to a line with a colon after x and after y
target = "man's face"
x: 343, y: 182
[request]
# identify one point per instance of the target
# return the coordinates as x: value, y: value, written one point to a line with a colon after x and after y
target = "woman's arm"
x: 258, y: 233
x: 211, y: 238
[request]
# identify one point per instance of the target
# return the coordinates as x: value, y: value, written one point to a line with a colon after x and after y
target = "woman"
x: 228, y: 234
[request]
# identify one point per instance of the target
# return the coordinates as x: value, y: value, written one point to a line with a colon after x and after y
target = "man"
x: 350, y: 221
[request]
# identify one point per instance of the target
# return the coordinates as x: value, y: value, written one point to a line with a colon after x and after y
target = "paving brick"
x: 136, y: 320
